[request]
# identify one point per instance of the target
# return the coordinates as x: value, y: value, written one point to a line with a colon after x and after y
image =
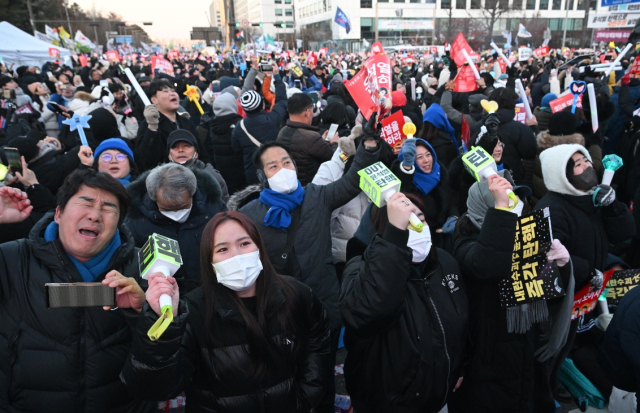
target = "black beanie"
x: 562, y: 123
x: 103, y: 125
x: 27, y: 145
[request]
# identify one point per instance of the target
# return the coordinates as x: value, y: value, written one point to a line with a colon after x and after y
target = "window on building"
x: 556, y: 4
x: 278, y: 1
x: 461, y: 4
x: 415, y: 1
x: 383, y: 1
x: 398, y: 1
x: 288, y: 12
x: 445, y: 4
x: 544, y: 4
x: 287, y: 1
x: 278, y: 12
x: 365, y: 4
x: 570, y: 4
x: 475, y: 4
x: 531, y: 4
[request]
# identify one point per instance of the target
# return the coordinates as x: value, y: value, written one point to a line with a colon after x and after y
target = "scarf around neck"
x: 425, y: 182
x: 89, y: 270
x: 280, y: 206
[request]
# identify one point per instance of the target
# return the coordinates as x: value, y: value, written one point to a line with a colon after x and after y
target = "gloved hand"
x: 152, y: 116
x: 603, y: 320
x: 409, y: 152
x: 604, y: 195
x: 371, y: 132
x: 597, y: 280
x: 558, y: 253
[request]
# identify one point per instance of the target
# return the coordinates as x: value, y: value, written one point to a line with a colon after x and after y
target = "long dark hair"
x: 428, y: 132
x: 262, y: 348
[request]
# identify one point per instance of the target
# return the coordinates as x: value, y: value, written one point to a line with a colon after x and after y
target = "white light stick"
x: 567, y: 79
x: 496, y: 70
x: 618, y: 59
x: 611, y: 164
x: 471, y: 64
x: 593, y: 107
x: 554, y: 83
x: 137, y: 87
x: 413, y: 89
x: 600, y: 69
x: 502, y: 56
x: 523, y: 96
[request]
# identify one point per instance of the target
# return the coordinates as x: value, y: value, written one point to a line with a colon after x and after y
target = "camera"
x: 266, y: 67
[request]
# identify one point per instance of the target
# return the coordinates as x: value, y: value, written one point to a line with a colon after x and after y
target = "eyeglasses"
x: 107, y: 157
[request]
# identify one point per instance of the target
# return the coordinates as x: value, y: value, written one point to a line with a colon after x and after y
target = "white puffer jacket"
x: 344, y: 220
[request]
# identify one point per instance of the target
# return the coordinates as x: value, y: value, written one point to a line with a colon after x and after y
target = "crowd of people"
x: 257, y: 180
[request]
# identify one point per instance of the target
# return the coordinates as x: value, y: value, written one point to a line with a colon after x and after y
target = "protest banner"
x: 364, y: 90
x: 113, y: 56
x: 323, y: 51
x: 465, y: 81
x: 312, y: 59
x: 163, y: 65
x: 521, y: 113
x: 621, y: 283
x: 533, y: 277
x: 563, y: 101
x: 173, y: 54
x: 457, y: 46
x: 524, y: 53
x: 376, y: 48
x: 586, y: 299
x: 380, y: 66
x: 392, y: 128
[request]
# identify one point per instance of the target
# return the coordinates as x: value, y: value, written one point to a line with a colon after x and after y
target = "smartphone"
x: 297, y: 83
x: 104, y: 83
x: 332, y: 131
x: 73, y: 295
x: 13, y: 157
x: 8, y: 94
x: 56, y: 108
x: 266, y: 68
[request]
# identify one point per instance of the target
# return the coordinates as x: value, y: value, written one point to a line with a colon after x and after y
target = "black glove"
x: 370, y: 132
x: 604, y: 195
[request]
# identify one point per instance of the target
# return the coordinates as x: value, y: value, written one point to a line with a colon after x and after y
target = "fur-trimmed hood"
x: 208, y: 191
x: 546, y: 140
x: 554, y: 164
x: 244, y: 196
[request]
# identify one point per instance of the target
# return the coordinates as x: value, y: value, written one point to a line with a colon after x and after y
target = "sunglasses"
x: 107, y: 157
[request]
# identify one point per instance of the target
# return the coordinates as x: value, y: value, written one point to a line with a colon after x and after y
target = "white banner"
x: 612, y: 20
x: 403, y: 24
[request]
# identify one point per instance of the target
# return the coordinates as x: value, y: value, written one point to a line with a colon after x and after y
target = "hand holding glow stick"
x: 502, y: 56
x: 618, y: 59
x: 471, y: 64
x: 524, y: 98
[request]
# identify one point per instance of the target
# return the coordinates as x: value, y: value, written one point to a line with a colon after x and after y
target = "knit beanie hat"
x: 103, y: 125
x: 251, y: 101
x: 398, y: 98
x: 562, y: 124
x: 225, y: 104
x: 114, y: 143
x: 547, y: 99
x: 554, y: 165
x: 27, y: 145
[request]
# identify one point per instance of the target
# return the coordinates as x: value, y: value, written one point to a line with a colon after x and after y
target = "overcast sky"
x: 172, y: 19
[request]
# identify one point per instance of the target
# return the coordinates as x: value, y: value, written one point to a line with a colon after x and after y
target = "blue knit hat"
x: 114, y: 143
x: 547, y: 99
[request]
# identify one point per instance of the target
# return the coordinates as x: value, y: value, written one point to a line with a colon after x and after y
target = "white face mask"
x: 284, y: 181
x: 240, y: 272
x: 179, y: 216
x: 420, y: 243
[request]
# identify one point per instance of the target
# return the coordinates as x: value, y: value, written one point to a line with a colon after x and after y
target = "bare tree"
x: 491, y: 12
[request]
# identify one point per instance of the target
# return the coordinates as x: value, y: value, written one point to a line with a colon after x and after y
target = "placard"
x: 524, y: 53
x: 521, y: 113
x: 585, y: 300
x: 164, y: 66
x: 563, y: 101
x: 533, y: 277
x: 392, y: 128
x: 619, y: 285
x: 364, y: 90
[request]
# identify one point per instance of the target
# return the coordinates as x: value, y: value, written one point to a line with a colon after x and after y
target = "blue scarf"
x: 125, y: 181
x: 425, y: 182
x: 91, y: 269
x: 280, y: 206
x: 435, y: 115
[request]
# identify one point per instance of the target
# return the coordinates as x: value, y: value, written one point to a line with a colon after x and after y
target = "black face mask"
x: 585, y: 181
x: 625, y: 65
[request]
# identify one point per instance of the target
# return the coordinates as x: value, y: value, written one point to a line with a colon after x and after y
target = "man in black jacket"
x: 161, y: 119
x: 68, y: 359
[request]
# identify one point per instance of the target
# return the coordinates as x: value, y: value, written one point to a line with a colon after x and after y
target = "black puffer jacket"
x: 60, y: 360
x: 406, y: 326
x: 181, y: 359
x: 499, y: 376
x: 228, y: 161
x: 144, y: 219
x: 520, y: 144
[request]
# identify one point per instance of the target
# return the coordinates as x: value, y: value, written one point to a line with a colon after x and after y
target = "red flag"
x: 157, y: 62
x: 173, y: 54
x: 380, y: 65
x: 83, y: 60
x: 54, y: 52
x: 465, y: 81
x: 113, y: 55
x: 377, y: 48
x: 364, y: 90
x: 312, y: 59
x: 456, y: 49
x: 323, y: 51
x: 465, y: 133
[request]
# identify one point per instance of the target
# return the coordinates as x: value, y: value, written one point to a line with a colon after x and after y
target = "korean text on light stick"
x: 502, y: 56
x: 618, y: 59
x: 379, y: 183
x: 471, y: 64
x: 481, y: 166
x: 137, y: 87
x: 524, y: 98
x: 160, y: 254
x: 593, y: 107
x: 611, y: 164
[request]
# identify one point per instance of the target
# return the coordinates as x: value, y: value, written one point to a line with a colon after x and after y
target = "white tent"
x: 23, y: 49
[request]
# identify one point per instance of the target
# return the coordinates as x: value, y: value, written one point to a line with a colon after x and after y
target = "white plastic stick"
x: 165, y: 299
x: 593, y: 107
x: 604, y: 307
x: 523, y: 96
x: 618, y: 59
x: 413, y: 89
x: 137, y: 87
x: 502, y: 56
x: 471, y: 64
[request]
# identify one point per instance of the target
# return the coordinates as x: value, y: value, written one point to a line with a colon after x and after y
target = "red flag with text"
x: 113, y: 56
x: 465, y: 81
x: 380, y: 65
x: 392, y: 128
x: 457, y: 46
x: 163, y: 65
x: 364, y: 91
x: 173, y: 54
x: 563, y: 101
x: 376, y: 48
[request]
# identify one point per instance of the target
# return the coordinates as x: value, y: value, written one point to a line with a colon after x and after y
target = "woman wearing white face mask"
x: 404, y: 306
x: 248, y: 340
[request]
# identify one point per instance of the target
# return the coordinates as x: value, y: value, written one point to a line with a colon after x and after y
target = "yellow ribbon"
x: 159, y: 327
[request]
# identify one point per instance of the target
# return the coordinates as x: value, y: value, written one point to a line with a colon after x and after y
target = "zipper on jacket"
x: 446, y: 350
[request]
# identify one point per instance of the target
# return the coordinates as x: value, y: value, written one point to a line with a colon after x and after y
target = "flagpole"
x: 376, y: 20
x: 566, y: 21
x: 68, y: 20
